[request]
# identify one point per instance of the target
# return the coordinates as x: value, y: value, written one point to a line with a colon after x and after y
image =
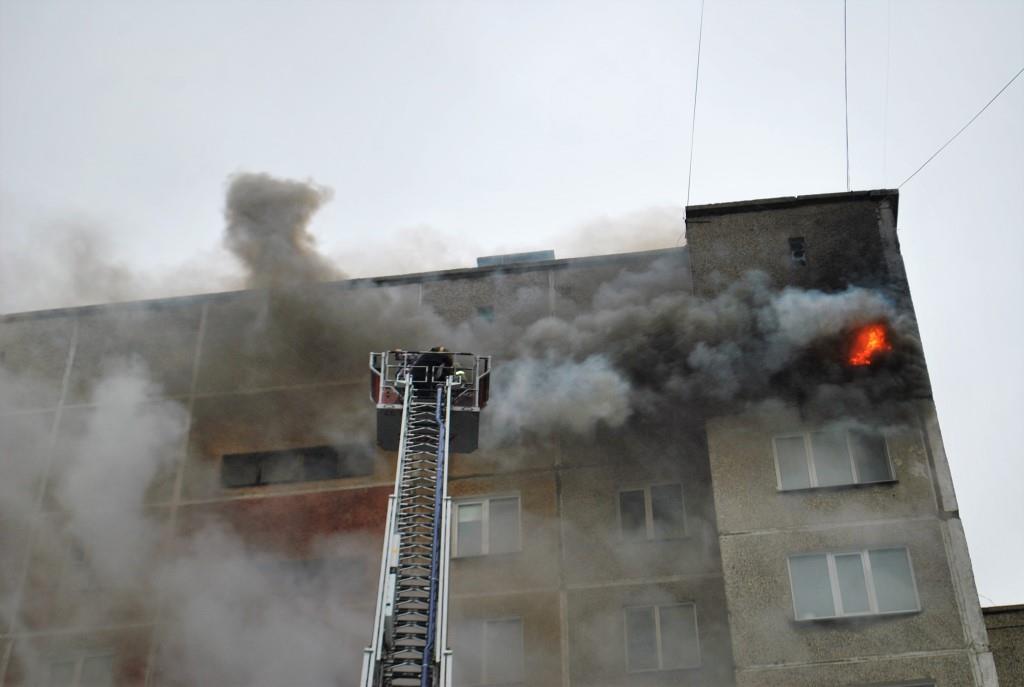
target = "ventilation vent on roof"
x: 515, y: 258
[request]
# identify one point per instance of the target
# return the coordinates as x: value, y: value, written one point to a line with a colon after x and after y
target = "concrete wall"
x: 850, y: 239
x: 252, y: 375
x: 1006, y: 637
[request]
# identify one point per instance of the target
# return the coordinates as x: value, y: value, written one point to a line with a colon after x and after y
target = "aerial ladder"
x: 428, y: 403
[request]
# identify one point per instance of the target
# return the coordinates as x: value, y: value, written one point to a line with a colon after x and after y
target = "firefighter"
x: 431, y: 368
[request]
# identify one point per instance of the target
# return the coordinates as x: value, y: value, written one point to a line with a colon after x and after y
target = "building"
x: 1006, y: 637
x: 687, y: 481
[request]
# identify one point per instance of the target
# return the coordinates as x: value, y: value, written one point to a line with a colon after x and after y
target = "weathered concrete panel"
x: 747, y: 496
x: 35, y: 351
x: 279, y: 420
x: 160, y: 339
x: 595, y: 549
x: 129, y: 647
x: 538, y: 613
x: 761, y: 605
x: 536, y: 564
x: 841, y: 236
x: 1006, y: 638
x: 597, y: 633
x: 950, y: 670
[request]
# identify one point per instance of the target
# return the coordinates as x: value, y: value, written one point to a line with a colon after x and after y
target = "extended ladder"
x: 409, y: 647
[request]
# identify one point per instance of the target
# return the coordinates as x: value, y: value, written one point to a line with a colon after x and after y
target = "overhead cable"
x: 963, y: 128
x: 846, y: 100
x: 693, y: 117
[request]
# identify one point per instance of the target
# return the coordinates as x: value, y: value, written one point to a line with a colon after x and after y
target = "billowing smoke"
x: 268, y: 230
x: 634, y: 369
x: 112, y: 456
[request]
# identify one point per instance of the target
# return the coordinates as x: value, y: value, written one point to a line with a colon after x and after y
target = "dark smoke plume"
x: 267, y: 230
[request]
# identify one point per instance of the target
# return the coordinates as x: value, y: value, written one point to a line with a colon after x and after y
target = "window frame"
x: 812, y: 474
x: 485, y: 524
x: 869, y: 583
x: 649, y: 512
x: 657, y: 637
x: 79, y: 658
x: 485, y: 678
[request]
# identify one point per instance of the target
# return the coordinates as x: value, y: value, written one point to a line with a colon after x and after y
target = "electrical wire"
x: 693, y: 118
x: 846, y: 99
x: 962, y: 129
x: 885, y: 109
x: 696, y: 82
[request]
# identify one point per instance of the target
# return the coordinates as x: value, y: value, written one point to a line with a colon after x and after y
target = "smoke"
x: 577, y: 396
x: 111, y: 460
x: 622, y: 375
x: 268, y: 230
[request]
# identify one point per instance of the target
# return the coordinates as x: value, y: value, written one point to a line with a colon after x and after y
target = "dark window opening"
x: 798, y: 250
x: 485, y: 312
x: 309, y: 464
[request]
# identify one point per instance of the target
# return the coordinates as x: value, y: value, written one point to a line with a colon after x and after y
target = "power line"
x: 963, y: 128
x: 846, y: 100
x: 693, y: 118
x: 885, y: 111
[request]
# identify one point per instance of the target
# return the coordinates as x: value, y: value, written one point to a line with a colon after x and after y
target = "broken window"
x: 661, y: 637
x: 870, y: 582
x: 798, y: 250
x: 487, y: 526
x: 96, y: 670
x: 654, y: 512
x: 831, y: 458
x: 489, y: 652
x: 309, y: 464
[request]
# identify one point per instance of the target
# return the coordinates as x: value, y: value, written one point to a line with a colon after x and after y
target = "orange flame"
x: 868, y: 342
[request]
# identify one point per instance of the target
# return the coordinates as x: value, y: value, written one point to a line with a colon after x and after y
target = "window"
x: 308, y: 464
x: 831, y: 458
x: 834, y: 585
x: 485, y: 312
x: 655, y: 512
x: 661, y: 638
x: 798, y: 250
x: 487, y: 526
x: 82, y: 671
x: 490, y: 652
x: 77, y: 577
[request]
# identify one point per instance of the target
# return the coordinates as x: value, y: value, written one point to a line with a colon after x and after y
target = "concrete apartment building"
x: 735, y: 537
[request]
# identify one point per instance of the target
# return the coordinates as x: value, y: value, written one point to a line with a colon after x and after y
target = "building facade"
x: 783, y: 521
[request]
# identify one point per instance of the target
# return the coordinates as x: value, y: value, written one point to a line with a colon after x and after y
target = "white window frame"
x: 485, y: 677
x: 657, y: 637
x: 485, y: 524
x: 79, y: 659
x: 869, y: 582
x: 812, y: 473
x: 649, y: 511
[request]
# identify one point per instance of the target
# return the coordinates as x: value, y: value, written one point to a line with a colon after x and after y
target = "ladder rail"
x: 385, y: 582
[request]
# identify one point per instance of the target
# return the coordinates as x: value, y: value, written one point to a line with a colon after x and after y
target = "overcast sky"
x: 497, y: 126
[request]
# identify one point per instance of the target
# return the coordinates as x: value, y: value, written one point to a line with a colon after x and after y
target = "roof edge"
x: 714, y: 209
x: 359, y: 282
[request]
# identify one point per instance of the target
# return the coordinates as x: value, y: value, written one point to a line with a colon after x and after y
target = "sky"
x: 449, y: 130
